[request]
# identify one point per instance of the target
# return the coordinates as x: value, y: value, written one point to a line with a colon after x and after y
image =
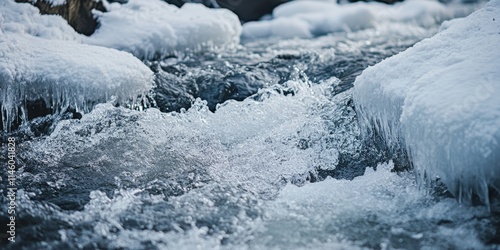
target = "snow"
x: 439, y: 100
x: 66, y: 74
x: 145, y: 28
x: 309, y: 18
x: 26, y: 19
x: 151, y: 28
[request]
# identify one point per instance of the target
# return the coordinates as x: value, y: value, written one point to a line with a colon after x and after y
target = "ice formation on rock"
x: 439, y: 100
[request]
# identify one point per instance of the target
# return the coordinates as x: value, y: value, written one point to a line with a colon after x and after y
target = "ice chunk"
x: 64, y: 73
x: 304, y: 19
x: 439, y: 100
x: 149, y: 28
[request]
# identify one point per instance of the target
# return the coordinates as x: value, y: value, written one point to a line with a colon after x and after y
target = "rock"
x: 250, y: 10
x: 247, y: 10
x: 382, y: 1
x: 78, y: 13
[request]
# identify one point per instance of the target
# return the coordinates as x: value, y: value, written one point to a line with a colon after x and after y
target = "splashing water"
x: 246, y: 163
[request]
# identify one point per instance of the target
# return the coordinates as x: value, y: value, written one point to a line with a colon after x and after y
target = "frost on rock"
x: 152, y: 28
x: 439, y: 101
x: 65, y: 74
x: 306, y: 19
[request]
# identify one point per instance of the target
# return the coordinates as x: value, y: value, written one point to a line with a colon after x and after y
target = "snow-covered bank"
x: 66, y: 74
x: 149, y: 28
x: 439, y: 100
x: 309, y: 18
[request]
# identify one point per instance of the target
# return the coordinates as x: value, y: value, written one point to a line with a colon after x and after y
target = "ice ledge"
x: 439, y: 101
x: 65, y: 74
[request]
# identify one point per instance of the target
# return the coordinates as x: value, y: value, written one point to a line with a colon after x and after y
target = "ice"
x: 66, y: 74
x: 305, y: 19
x: 439, y: 101
x: 153, y: 28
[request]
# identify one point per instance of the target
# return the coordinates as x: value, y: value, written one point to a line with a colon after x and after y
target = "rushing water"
x: 257, y: 147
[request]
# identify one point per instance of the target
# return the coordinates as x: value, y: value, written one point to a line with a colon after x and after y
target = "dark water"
x: 254, y: 148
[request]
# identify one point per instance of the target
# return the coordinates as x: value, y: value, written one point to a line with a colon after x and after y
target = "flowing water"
x: 253, y: 148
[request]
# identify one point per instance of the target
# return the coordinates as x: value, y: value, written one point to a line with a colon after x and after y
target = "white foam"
x: 242, y: 152
x: 254, y: 131
x: 439, y: 100
x: 370, y: 211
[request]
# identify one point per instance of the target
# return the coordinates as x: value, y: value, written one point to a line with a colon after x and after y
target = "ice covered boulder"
x: 439, y: 100
x: 65, y: 74
x: 153, y: 28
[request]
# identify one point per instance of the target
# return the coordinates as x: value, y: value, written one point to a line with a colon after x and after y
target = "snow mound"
x: 305, y: 19
x: 24, y: 18
x: 150, y: 28
x: 65, y: 73
x: 439, y: 101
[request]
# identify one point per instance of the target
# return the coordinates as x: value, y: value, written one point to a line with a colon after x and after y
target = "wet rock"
x: 78, y: 13
x: 382, y: 1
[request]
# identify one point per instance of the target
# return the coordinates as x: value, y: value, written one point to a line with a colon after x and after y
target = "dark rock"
x: 179, y: 3
x: 78, y: 13
x: 382, y: 1
x: 247, y: 10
